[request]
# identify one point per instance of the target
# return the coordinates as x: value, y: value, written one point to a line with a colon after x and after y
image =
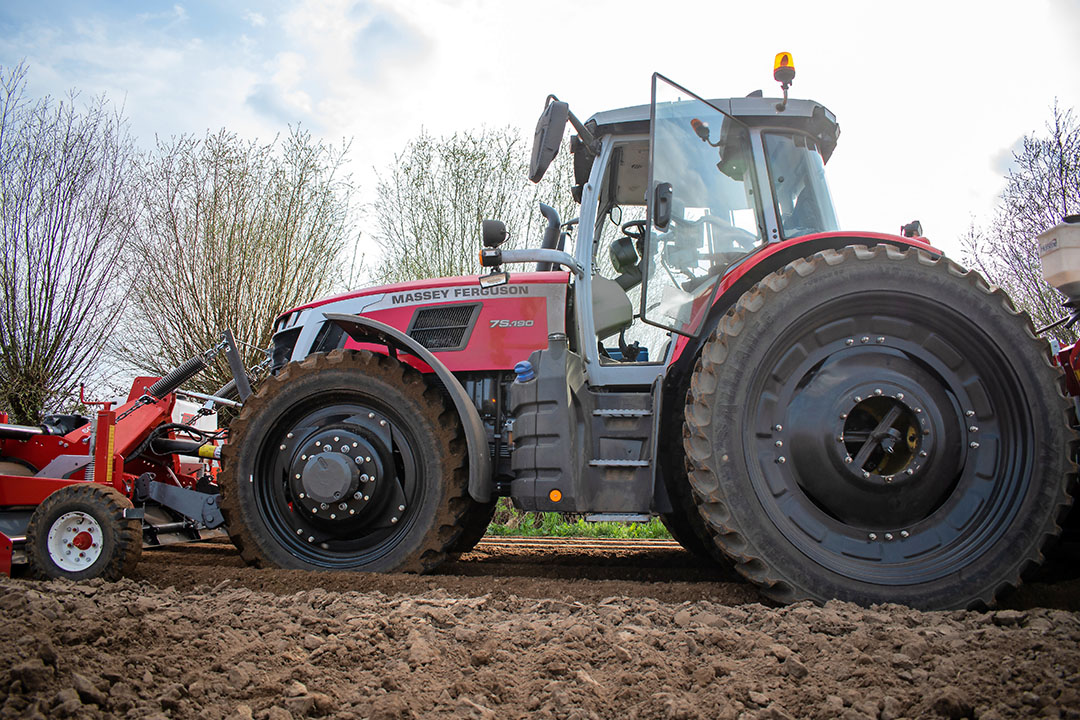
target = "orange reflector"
x: 555, y: 496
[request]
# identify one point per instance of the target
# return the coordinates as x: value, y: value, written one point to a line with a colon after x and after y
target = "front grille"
x: 443, y: 327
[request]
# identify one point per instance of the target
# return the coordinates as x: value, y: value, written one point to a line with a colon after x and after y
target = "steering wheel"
x: 742, y: 239
x: 635, y: 230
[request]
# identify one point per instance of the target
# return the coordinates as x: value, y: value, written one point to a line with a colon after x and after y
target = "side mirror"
x: 548, y: 137
x: 494, y: 233
x: 662, y: 206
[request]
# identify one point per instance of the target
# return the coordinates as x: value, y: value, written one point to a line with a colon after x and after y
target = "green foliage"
x: 509, y: 521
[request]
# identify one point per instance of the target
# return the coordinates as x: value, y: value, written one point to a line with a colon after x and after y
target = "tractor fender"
x: 366, y: 330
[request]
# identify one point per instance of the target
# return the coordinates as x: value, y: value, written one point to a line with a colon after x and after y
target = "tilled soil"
x: 538, y: 628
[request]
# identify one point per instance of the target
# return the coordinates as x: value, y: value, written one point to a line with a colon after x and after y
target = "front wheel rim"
x: 337, y: 487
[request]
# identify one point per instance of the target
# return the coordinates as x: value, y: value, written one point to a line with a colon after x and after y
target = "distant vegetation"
x: 511, y: 521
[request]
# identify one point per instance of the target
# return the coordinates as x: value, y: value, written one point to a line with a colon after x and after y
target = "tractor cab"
x: 675, y: 195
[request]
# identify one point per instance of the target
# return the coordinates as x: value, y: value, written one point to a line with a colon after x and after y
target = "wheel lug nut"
x: 840, y: 438
x: 367, y: 497
x: 354, y: 445
x: 342, y: 506
x: 314, y: 510
x: 778, y: 428
x: 970, y: 413
x: 865, y: 474
x: 781, y: 460
x: 904, y: 534
x: 864, y: 339
x: 888, y: 536
x: 299, y: 531
x: 322, y: 506
x: 289, y: 435
x: 297, y: 476
x: 922, y: 453
x: 337, y: 439
x: 367, y: 459
x: 401, y: 508
x: 310, y: 538
x: 318, y: 443
x: 303, y: 457
x: 872, y: 536
x: 779, y: 443
x: 301, y: 496
x: 382, y: 423
x: 974, y: 446
x: 973, y: 428
x: 877, y: 391
x: 393, y: 520
x: 880, y: 339
x: 282, y: 447
x: 344, y: 448
x: 848, y: 460
x: 849, y: 342
x: 357, y: 496
x: 858, y: 398
x: 909, y: 471
x: 843, y: 416
x: 371, y: 416
x: 333, y: 516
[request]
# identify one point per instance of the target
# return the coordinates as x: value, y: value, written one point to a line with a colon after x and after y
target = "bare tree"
x: 232, y: 233
x: 1043, y: 187
x: 433, y: 198
x: 66, y: 212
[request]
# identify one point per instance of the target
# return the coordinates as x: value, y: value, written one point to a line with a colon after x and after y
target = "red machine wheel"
x: 80, y: 532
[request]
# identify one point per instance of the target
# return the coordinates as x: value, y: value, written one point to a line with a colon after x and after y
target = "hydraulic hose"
x: 187, y: 370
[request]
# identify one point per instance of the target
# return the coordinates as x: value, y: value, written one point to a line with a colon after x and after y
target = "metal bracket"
x: 236, y: 364
x: 201, y: 507
x: 134, y: 513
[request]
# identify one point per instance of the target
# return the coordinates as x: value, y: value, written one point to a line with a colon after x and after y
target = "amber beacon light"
x: 783, y: 72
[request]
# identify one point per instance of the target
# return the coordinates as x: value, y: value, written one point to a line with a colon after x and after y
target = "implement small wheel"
x: 80, y: 532
x: 345, y: 461
x: 878, y: 425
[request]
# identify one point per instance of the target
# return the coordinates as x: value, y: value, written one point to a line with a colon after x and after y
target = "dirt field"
x: 520, y: 629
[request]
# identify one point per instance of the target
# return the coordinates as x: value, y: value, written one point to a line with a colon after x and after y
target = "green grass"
x: 511, y: 521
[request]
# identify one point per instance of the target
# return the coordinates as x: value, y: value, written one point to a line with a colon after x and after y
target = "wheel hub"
x: 74, y: 541
x: 334, y: 473
x: 866, y: 433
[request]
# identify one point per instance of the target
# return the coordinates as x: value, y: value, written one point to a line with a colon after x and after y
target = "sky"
x: 932, y: 97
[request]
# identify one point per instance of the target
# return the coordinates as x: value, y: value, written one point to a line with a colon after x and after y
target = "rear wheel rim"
x: 338, y: 482
x: 898, y: 370
x: 74, y: 541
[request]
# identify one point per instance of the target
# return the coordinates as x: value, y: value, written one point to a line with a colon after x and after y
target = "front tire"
x: 80, y: 532
x: 345, y: 461
x: 878, y: 425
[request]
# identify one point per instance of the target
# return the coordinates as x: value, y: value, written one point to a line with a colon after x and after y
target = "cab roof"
x: 805, y: 115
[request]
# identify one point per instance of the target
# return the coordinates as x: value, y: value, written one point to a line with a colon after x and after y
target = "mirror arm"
x: 587, y: 137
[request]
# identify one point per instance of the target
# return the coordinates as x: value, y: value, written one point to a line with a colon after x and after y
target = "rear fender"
x: 366, y: 330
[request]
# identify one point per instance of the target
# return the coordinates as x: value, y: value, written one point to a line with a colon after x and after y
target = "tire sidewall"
x: 750, y: 337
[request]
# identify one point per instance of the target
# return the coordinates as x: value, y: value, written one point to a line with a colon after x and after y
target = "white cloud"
x: 256, y: 19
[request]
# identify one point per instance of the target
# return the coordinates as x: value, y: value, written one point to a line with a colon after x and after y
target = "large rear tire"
x: 878, y: 425
x: 345, y: 461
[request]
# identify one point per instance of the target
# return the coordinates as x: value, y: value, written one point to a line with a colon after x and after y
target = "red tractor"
x: 841, y: 414
x: 80, y: 497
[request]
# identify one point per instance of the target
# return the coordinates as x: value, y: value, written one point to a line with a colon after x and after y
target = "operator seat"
x: 612, y: 309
